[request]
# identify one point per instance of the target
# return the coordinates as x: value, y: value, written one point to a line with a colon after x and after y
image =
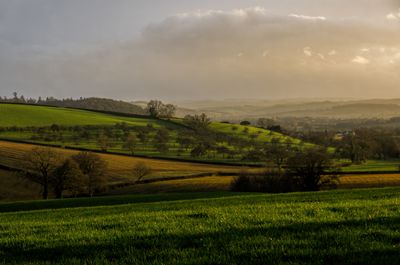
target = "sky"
x: 209, y: 49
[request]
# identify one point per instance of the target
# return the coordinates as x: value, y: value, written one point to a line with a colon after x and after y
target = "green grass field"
x: 340, y: 227
x: 26, y: 115
x: 374, y: 166
x: 263, y: 135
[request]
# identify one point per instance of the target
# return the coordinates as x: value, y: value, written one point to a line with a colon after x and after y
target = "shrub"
x: 271, y: 181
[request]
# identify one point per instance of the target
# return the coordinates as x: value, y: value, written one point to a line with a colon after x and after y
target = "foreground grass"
x: 341, y: 227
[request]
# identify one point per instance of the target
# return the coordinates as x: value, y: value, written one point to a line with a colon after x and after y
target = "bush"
x: 242, y: 183
x: 270, y: 181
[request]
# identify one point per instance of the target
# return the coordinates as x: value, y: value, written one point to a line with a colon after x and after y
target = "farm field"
x: 120, y: 174
x: 222, y: 183
x: 374, y: 166
x: 11, y: 155
x: 346, y: 227
x: 197, y: 184
x: 32, y: 124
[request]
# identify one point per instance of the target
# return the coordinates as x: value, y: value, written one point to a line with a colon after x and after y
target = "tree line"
x: 307, y: 169
x: 154, y: 108
x: 84, y: 173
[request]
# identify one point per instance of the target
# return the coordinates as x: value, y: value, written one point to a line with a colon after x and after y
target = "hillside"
x: 93, y: 103
x: 29, y: 115
x: 346, y: 227
x: 223, y: 143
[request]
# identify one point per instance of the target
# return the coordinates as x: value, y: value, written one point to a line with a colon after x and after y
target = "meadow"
x: 21, y: 115
x: 336, y: 227
x: 374, y: 166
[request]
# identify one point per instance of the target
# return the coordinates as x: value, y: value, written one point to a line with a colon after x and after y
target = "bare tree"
x: 154, y: 108
x: 103, y: 142
x: 197, y: 122
x: 94, y: 168
x: 158, y: 109
x: 40, y: 163
x: 141, y: 170
x: 67, y: 177
x: 131, y: 143
x: 277, y: 153
x: 168, y: 111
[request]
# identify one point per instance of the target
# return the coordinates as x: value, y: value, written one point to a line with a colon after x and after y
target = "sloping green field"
x: 261, y: 135
x: 29, y: 118
x: 340, y: 227
x: 27, y: 115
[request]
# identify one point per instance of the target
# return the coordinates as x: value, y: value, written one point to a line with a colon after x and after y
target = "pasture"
x: 20, y: 115
x: 374, y: 166
x: 336, y: 227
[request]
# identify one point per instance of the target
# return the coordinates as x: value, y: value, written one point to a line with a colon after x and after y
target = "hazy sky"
x: 182, y: 49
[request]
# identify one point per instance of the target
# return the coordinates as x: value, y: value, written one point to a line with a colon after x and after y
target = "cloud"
x: 248, y: 52
x: 307, y: 51
x: 393, y: 16
x: 241, y: 13
x: 307, y: 17
x: 360, y: 60
x: 332, y: 53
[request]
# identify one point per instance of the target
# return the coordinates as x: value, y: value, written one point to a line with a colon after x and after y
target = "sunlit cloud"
x: 393, y: 16
x: 332, y: 53
x: 307, y: 17
x: 307, y: 51
x: 360, y: 60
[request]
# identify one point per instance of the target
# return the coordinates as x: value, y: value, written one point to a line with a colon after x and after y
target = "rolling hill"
x: 237, y: 110
x: 30, y: 115
x: 18, y: 118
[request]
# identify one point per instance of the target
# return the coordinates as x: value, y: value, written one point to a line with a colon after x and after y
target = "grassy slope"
x: 263, y: 134
x: 341, y: 227
x: 26, y: 115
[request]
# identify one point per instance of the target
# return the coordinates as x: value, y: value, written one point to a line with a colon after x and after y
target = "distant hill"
x: 252, y: 109
x: 97, y: 104
x: 102, y: 104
